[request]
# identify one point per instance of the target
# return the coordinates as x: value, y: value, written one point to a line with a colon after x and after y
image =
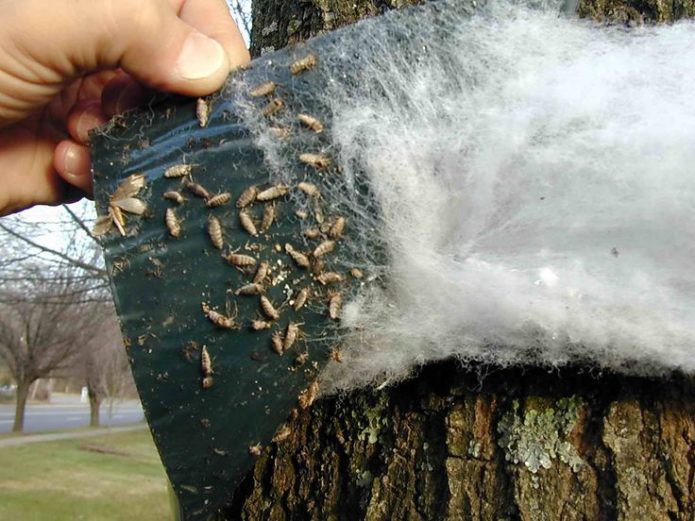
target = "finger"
x: 121, y: 94
x: 72, y: 161
x: 83, y: 118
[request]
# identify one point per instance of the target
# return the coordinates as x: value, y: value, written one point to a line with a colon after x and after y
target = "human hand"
x: 66, y: 66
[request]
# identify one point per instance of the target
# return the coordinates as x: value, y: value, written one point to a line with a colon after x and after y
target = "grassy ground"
x: 63, y: 481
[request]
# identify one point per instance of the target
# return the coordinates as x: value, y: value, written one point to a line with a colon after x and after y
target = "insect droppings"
x: 273, y: 192
x: 247, y: 197
x: 178, y: 170
x: 173, y: 195
x: 303, y: 64
x: 311, y: 123
x: 324, y: 248
x: 309, y: 189
x: 318, y: 161
x: 218, y: 200
x: 268, y: 308
x: 298, y: 257
x: 338, y: 228
x: 202, y: 111
x: 247, y: 223
x: 264, y: 89
x: 215, y: 232
x: 172, y: 222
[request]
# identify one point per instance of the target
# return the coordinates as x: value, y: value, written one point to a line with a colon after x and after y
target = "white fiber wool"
x: 536, y: 180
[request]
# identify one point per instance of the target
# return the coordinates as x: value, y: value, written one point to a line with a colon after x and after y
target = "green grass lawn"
x: 63, y: 481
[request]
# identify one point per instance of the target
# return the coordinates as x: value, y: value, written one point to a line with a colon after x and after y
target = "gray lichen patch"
x: 536, y: 437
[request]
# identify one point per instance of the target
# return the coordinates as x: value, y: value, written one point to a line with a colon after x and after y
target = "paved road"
x: 42, y: 418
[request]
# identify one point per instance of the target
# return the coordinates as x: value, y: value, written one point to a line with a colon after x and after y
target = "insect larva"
x: 205, y: 362
x: 301, y: 299
x: 356, y: 273
x: 261, y: 273
x: 268, y: 308
x: 291, y: 334
x: 337, y: 229
x: 199, y: 190
x: 268, y: 218
x: 299, y: 258
x: 277, y: 342
x: 329, y: 277
x: 175, y: 196
x: 215, y: 232
x: 218, y: 318
x: 312, y: 233
x: 303, y: 64
x: 335, y: 301
x: 318, y: 161
x: 263, y: 89
x: 309, y: 189
x: 256, y: 450
x: 172, y: 222
x: 260, y: 325
x: 247, y: 223
x: 272, y: 193
x: 309, y: 395
x: 311, y: 122
x: 247, y: 197
x: 178, y: 170
x: 282, y: 433
x: 324, y: 248
x: 241, y: 261
x: 218, y: 200
x: 274, y: 105
x: 202, y: 111
x: 249, y: 289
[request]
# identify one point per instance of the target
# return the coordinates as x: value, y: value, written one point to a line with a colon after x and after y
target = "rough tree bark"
x: 95, y: 400
x: 520, y: 444
x: 21, y: 395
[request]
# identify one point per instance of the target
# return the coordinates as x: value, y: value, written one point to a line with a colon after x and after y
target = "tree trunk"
x: 22, y: 394
x: 514, y: 444
x: 94, y: 405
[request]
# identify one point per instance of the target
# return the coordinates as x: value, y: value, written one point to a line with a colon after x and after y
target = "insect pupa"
x: 356, y: 273
x: 173, y: 195
x: 298, y: 257
x: 208, y: 382
x: 247, y: 197
x: 268, y: 308
x: 279, y: 132
x: 205, y: 362
x: 218, y: 200
x: 249, y: 289
x: 202, y: 111
x: 268, y: 218
x: 311, y: 123
x: 317, y: 265
x: 291, y: 335
x: 261, y: 273
x: 260, y: 325
x: 309, y: 395
x: 303, y: 64
x: 329, y: 277
x: 215, y: 232
x: 247, y: 223
x: 277, y: 342
x: 273, y: 192
x: 217, y: 318
x: 337, y: 228
x: 312, y: 233
x: 172, y: 222
x: 178, y: 170
x: 198, y: 189
x: 273, y: 107
x: 240, y: 260
x: 324, y: 248
x: 309, y: 189
x: 318, y: 161
x: 335, y: 302
x: 264, y: 89
x: 301, y: 299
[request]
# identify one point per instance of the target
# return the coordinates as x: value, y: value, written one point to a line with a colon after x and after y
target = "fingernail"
x: 71, y: 160
x: 200, y: 57
x: 87, y: 122
x: 130, y: 97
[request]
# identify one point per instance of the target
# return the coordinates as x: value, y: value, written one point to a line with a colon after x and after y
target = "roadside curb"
x: 39, y: 438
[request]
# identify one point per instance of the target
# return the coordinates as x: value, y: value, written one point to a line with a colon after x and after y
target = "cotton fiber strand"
x: 534, y: 176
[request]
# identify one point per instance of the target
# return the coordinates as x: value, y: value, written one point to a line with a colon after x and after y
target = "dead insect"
x: 122, y: 200
x: 172, y: 222
x: 329, y: 277
x: 247, y: 223
x: 218, y: 200
x: 249, y: 289
x: 274, y: 106
x: 247, y: 197
x: 277, y: 342
x: 268, y: 308
x: 215, y: 232
x: 309, y: 395
x: 317, y: 266
x: 311, y: 122
x: 205, y: 362
x: 220, y: 320
x: 241, y: 261
x: 282, y: 433
x: 335, y: 302
x: 263, y: 89
x: 268, y: 217
x: 312, y: 233
x: 324, y: 248
x: 309, y: 189
x: 318, y: 215
x: 298, y: 257
x: 318, y: 161
x: 131, y: 205
x: 273, y: 192
x: 117, y: 218
x: 291, y: 335
x: 130, y: 187
x: 173, y: 195
x: 301, y: 299
x: 202, y: 111
x: 356, y: 273
x: 260, y: 325
x: 279, y: 132
x: 337, y: 229
x: 179, y: 170
x: 303, y: 64
x: 261, y: 273
x: 256, y: 450
x: 102, y: 225
x: 197, y: 189
x: 208, y: 382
